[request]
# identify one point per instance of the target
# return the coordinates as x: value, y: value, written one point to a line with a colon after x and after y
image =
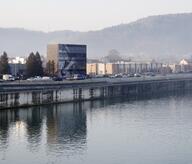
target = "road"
x: 99, y: 80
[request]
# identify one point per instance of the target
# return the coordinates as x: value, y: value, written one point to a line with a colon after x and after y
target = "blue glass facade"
x: 72, y: 59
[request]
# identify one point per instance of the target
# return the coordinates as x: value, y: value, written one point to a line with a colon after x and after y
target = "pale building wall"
x: 176, y: 68
x: 53, y: 54
x: 184, y: 62
x: 186, y: 65
x: 111, y: 68
x: 121, y: 68
x: 92, y: 69
x: 101, y: 69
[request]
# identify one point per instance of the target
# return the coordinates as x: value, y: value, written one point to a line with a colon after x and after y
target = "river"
x: 116, y: 131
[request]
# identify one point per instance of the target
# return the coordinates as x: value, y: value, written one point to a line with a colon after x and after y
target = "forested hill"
x: 159, y: 37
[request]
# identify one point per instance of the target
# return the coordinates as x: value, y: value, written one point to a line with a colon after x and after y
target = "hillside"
x: 159, y: 37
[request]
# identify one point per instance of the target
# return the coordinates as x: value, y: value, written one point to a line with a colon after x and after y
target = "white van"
x: 8, y: 77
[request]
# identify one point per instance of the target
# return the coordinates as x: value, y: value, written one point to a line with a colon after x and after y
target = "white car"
x: 46, y: 78
x: 137, y: 75
x: 30, y: 79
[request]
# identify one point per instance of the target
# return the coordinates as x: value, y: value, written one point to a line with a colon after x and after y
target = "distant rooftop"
x: 17, y: 60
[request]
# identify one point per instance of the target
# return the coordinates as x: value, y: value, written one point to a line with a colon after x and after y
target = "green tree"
x: 34, y: 65
x: 39, y: 67
x: 52, y: 67
x: 4, y: 64
x: 113, y: 56
x: 31, y: 65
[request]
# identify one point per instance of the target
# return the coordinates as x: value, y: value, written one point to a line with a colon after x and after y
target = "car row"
x: 39, y: 78
x: 120, y: 75
x: 75, y: 77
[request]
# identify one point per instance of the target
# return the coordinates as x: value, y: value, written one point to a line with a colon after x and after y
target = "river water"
x: 145, y: 131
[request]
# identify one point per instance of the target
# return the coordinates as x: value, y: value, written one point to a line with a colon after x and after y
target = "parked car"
x: 37, y: 78
x: 149, y: 74
x: 130, y: 75
x: 79, y: 77
x: 30, y: 79
x: 137, y: 75
x: 57, y: 78
x: 118, y: 76
x: 125, y: 76
x: 8, y: 77
x: 46, y: 78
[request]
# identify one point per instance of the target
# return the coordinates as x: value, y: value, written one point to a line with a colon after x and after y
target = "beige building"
x: 92, y: 69
x: 111, y: 68
x: 123, y: 67
x: 53, y: 54
x: 101, y: 69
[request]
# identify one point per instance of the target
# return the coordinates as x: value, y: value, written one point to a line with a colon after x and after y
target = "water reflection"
x: 118, y: 130
x: 34, y: 125
x: 62, y: 128
x: 4, y: 128
x: 66, y: 129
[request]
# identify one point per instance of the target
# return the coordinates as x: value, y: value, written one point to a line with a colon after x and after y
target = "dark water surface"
x: 154, y: 131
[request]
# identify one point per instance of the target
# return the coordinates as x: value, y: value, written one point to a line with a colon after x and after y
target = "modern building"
x: 69, y: 59
x: 17, y: 69
x: 17, y: 66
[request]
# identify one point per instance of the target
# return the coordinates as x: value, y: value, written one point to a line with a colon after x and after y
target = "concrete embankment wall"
x: 22, y: 95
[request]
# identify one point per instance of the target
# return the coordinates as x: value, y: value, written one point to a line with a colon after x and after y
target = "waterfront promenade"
x: 35, y: 84
x: 29, y: 93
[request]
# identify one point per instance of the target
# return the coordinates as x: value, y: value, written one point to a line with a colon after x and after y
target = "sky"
x: 83, y: 15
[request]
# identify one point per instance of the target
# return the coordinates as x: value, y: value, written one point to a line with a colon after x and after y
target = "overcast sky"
x: 82, y: 15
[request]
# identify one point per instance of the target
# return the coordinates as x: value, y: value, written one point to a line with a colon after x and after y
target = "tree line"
x: 34, y: 66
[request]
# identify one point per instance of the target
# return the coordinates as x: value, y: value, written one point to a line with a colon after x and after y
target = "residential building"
x: 123, y: 67
x: 111, y: 68
x: 176, y: 68
x: 165, y: 69
x: 101, y: 69
x: 92, y: 69
x: 186, y: 65
x: 185, y: 62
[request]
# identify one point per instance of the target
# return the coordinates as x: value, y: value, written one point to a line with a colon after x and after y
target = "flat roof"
x: 71, y: 45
